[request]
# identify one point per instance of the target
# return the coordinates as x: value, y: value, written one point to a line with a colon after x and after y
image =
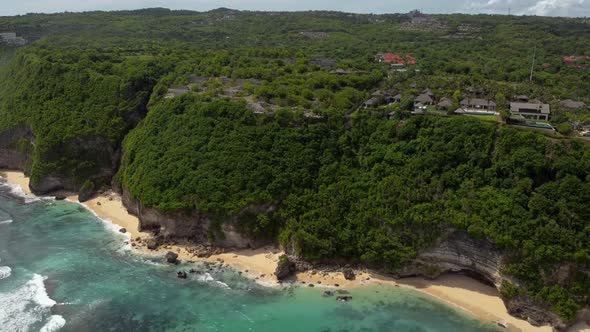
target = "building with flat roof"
x: 530, y: 111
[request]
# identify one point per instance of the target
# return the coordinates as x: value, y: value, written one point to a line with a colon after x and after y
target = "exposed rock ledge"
x: 16, y: 146
x: 456, y: 252
x: 194, y: 227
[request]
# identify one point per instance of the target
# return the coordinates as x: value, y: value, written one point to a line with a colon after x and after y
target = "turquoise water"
x: 63, y: 269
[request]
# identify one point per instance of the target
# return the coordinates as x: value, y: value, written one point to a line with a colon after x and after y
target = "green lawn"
x: 488, y: 118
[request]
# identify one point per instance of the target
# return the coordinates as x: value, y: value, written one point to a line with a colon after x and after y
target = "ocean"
x: 63, y: 269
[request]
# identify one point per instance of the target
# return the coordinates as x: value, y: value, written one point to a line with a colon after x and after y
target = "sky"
x: 517, y: 7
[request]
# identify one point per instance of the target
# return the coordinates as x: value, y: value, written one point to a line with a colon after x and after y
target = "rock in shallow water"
x: 172, y: 257
x: 60, y: 197
x: 344, y: 298
x: 181, y: 275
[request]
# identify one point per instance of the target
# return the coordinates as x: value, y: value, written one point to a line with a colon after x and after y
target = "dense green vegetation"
x: 378, y: 192
x: 369, y: 186
x: 67, y: 95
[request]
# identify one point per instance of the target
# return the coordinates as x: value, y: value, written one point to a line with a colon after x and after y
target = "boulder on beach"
x: 172, y: 257
x: 86, y: 192
x: 60, y: 197
x: 285, y: 268
x: 153, y: 243
x: 123, y: 230
x: 349, y: 274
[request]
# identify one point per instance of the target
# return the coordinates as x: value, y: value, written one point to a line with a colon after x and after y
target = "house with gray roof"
x: 10, y: 38
x: 424, y: 99
x: 530, y: 111
x: 477, y: 105
x: 445, y: 103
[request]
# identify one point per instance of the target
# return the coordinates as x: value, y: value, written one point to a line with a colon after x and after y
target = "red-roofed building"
x: 396, y: 59
x: 578, y: 62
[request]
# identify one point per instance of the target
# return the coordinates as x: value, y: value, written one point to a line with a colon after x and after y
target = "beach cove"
x: 478, y: 300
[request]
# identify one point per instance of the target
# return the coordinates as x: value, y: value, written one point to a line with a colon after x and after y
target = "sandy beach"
x: 18, y: 179
x: 478, y: 299
x: 109, y: 206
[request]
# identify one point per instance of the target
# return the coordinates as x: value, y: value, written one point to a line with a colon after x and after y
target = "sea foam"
x: 109, y: 225
x: 207, y: 278
x: 54, y: 323
x: 28, y: 305
x: 17, y: 190
x: 5, y: 272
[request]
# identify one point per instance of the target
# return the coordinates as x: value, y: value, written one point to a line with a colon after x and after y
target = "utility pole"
x: 509, y: 11
x: 533, y: 64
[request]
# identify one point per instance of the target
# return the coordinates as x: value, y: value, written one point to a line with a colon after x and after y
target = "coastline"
x: 471, y: 296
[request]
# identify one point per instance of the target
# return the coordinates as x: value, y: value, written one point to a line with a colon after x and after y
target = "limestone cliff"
x: 456, y: 252
x: 196, y: 227
x: 16, y: 148
x: 59, y: 168
x: 101, y: 158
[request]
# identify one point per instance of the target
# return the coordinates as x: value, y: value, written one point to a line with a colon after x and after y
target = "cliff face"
x: 457, y: 252
x: 17, y: 150
x: 16, y: 147
x: 101, y: 158
x: 195, y: 227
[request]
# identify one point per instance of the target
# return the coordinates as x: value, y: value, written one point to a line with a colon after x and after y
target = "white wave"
x: 54, y: 323
x: 206, y: 277
x: 150, y: 262
x: 222, y: 284
x: 26, y: 306
x: 5, y: 272
x: 18, y: 191
x: 109, y: 225
x: 4, y: 222
x: 40, y: 295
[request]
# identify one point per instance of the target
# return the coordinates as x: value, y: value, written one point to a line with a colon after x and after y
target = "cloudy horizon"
x: 571, y: 8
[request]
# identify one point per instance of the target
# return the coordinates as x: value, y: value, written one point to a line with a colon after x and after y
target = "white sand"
x: 18, y: 178
x: 478, y: 299
x: 109, y: 206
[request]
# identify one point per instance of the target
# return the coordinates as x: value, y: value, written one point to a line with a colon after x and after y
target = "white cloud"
x: 532, y: 7
x: 559, y: 7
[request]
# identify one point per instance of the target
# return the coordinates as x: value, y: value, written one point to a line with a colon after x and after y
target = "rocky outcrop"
x: 16, y: 148
x: 172, y: 257
x: 348, y: 274
x: 194, y: 226
x: 100, y: 156
x: 535, y: 313
x: 457, y: 252
x: 285, y: 268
